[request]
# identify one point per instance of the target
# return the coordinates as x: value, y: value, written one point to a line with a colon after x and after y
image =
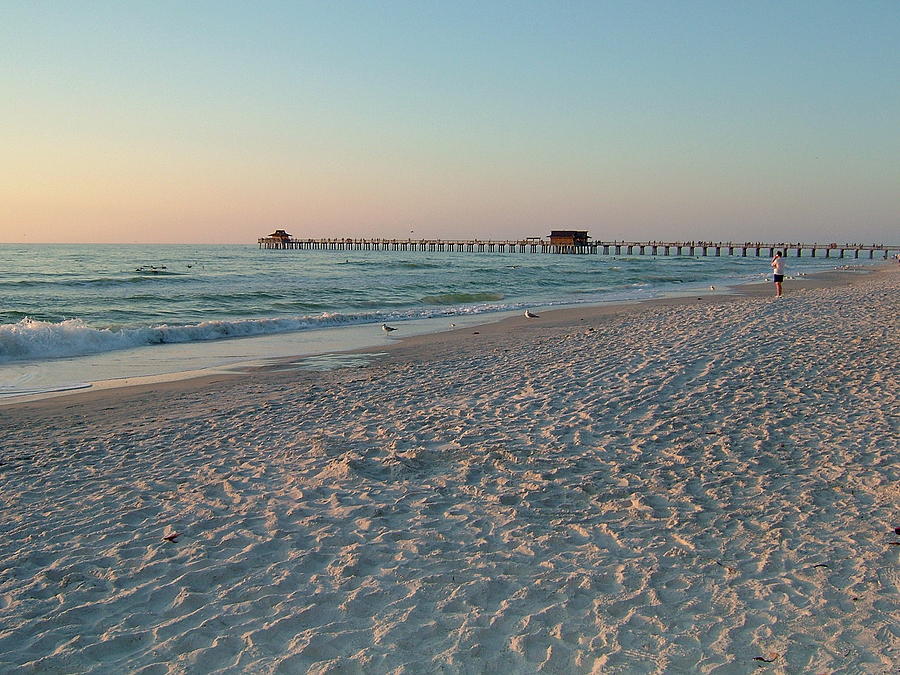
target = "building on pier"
x: 279, y: 239
x: 569, y: 238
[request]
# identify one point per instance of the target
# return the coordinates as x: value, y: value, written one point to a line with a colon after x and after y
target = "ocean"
x: 72, y: 315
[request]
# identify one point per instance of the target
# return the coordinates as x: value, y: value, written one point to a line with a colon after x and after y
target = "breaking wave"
x: 461, y: 298
x: 33, y: 339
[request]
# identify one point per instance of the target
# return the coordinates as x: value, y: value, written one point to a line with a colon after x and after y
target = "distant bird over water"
x: 386, y: 328
x: 530, y: 315
x: 712, y: 288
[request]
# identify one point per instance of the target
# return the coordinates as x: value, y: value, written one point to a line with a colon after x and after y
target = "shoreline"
x: 197, y: 379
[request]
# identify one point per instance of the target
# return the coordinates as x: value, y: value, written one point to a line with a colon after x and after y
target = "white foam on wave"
x: 33, y: 339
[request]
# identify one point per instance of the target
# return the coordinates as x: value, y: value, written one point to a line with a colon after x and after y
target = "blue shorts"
x: 778, y: 278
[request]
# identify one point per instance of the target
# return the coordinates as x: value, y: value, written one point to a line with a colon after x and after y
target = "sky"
x: 219, y: 121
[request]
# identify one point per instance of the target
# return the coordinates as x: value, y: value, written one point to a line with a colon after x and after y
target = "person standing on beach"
x: 778, y: 269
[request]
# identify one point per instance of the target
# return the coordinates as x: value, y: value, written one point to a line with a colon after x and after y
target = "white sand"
x: 682, y: 489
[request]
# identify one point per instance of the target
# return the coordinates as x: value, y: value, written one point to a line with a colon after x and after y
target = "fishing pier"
x: 568, y: 242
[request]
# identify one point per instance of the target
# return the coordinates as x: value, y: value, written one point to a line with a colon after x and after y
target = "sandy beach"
x: 696, y: 485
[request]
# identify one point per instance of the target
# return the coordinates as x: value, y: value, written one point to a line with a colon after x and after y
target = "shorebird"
x: 712, y: 288
x: 529, y: 315
x: 386, y: 328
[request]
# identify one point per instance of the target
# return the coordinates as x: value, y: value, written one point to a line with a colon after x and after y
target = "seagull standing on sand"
x: 386, y: 328
x: 530, y: 315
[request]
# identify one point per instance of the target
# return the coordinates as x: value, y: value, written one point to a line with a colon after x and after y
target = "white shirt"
x: 778, y: 265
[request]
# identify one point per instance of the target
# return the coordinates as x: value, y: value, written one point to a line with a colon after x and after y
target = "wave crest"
x: 460, y: 298
x: 33, y: 339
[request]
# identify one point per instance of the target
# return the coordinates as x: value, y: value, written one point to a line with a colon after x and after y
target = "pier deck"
x: 594, y: 247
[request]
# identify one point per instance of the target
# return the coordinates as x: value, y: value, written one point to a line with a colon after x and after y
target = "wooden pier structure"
x: 590, y: 247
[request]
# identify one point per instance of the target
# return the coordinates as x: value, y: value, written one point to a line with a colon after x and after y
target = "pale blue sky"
x: 192, y: 121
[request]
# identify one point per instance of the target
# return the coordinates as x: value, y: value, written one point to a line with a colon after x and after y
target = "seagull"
x: 386, y: 328
x: 712, y: 288
x: 529, y: 315
x: 452, y: 325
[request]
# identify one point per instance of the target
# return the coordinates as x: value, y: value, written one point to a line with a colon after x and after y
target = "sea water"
x: 71, y: 315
